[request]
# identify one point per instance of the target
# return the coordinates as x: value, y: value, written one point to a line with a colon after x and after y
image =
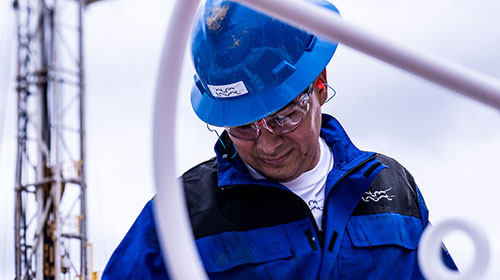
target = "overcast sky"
x: 449, y: 143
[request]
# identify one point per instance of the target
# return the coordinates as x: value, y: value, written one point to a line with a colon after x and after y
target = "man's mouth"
x: 277, y: 159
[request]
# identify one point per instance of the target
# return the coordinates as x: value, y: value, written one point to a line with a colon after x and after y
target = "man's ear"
x: 322, y: 89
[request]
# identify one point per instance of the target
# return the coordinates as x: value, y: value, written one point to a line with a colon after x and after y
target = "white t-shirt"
x: 310, y: 185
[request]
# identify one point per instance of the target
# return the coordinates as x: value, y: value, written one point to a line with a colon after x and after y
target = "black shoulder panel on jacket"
x: 392, y: 191
x: 235, y: 208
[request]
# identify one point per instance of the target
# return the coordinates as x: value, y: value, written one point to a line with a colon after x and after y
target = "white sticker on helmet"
x: 230, y: 90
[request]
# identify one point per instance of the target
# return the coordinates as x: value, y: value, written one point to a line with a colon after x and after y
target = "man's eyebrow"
x: 293, y: 102
x: 285, y: 107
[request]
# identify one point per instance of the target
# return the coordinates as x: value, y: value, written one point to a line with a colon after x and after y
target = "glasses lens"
x: 244, y: 132
x: 287, y: 120
x: 284, y: 121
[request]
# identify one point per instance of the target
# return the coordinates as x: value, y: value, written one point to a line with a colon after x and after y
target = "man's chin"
x: 280, y: 175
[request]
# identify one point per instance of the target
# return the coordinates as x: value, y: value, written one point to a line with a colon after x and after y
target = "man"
x: 288, y: 196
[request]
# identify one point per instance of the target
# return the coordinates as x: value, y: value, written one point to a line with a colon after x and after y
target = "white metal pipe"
x: 57, y: 118
x: 429, y: 251
x: 84, y: 257
x: 172, y: 221
x: 324, y: 22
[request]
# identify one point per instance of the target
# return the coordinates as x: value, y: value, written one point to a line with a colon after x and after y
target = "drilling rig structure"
x: 50, y: 190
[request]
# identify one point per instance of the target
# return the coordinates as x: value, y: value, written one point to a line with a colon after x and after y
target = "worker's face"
x: 285, y: 157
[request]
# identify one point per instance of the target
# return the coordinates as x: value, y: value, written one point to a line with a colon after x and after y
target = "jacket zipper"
x: 327, y: 196
x: 300, y: 202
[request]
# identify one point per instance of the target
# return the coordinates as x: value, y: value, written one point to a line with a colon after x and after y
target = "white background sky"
x: 450, y: 144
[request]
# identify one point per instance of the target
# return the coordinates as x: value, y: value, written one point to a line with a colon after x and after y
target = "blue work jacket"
x: 245, y: 228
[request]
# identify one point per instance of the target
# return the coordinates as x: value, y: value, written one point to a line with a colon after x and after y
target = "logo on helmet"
x: 230, y: 90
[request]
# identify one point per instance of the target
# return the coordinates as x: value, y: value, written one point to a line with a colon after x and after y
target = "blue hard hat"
x: 249, y: 65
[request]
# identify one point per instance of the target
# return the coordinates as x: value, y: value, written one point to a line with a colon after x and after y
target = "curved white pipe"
x: 176, y: 237
x: 172, y: 221
x: 429, y: 251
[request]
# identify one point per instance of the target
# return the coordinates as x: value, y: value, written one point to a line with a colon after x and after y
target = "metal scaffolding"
x: 50, y: 209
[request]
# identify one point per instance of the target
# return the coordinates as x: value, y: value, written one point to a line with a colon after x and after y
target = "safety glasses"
x: 282, y: 122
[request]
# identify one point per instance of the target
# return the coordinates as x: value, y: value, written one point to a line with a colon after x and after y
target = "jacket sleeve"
x: 419, y: 199
x: 139, y: 255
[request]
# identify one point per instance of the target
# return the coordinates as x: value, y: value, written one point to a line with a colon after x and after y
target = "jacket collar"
x: 232, y: 171
x: 345, y: 154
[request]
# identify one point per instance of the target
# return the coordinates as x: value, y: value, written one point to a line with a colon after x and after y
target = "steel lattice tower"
x: 50, y: 191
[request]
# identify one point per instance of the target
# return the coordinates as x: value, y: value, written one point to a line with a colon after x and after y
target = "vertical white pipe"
x: 172, y: 221
x: 84, y: 257
x: 53, y: 79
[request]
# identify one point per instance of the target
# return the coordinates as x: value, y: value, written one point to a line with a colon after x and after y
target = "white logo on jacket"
x: 376, y: 196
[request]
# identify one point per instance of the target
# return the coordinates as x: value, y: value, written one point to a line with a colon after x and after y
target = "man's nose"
x: 268, y: 142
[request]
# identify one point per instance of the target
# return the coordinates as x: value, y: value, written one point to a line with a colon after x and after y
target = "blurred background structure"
x: 50, y: 220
